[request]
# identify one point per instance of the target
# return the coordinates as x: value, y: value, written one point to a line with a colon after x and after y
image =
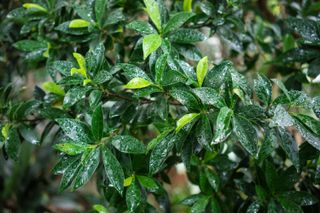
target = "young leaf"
x: 79, y: 23
x: 54, y: 88
x: 75, y: 130
x: 153, y: 11
x: 128, y: 144
x: 71, y: 148
x: 133, y: 196
x: 88, y: 165
x: 177, y: 21
x: 222, y: 125
x: 112, y: 169
x: 263, y: 88
x: 150, y: 44
x: 202, y: 69
x: 100, y: 209
x: 34, y: 6
x: 82, y: 65
x: 185, y: 119
x: 137, y: 83
x: 246, y: 134
x: 187, y: 5
x: 97, y: 123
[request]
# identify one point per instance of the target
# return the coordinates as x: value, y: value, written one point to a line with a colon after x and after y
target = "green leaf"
x: 82, y: 65
x: 132, y: 71
x: 281, y: 117
x: 114, y: 17
x: 29, y: 134
x: 113, y: 169
x: 150, y: 44
x: 289, y: 145
x: 100, y: 8
x: 30, y: 45
x: 68, y: 175
x: 204, y: 132
x: 94, y: 60
x: 209, y: 96
x: 254, y: 207
x: 88, y: 165
x: 185, y: 98
x: 177, y: 21
x: 137, y: 83
x: 185, y: 119
x: 153, y: 11
x: 128, y: 144
x: 133, y: 196
x: 148, y: 183
x: 294, y: 98
x: 289, y: 206
x: 97, y: 123
x: 213, y: 178
x: 74, y: 95
x: 217, y: 75
x: 71, y: 148
x: 300, y: 198
x: 307, y: 28
x: 202, y: 69
x: 158, y: 139
x: 100, y: 209
x: 79, y: 23
x: 200, y: 205
x: 142, y: 27
x: 160, y: 153
x: 222, y: 130
x: 245, y: 133
x: 268, y: 144
x: 160, y: 67
x: 35, y: 7
x: 75, y: 130
x: 263, y: 89
x: 187, y: 5
x: 54, y: 88
x: 310, y: 122
x: 312, y: 138
x: 186, y: 36
x: 12, y: 144
x: 102, y: 76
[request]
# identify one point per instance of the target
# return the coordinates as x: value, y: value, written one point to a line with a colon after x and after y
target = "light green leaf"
x: 153, y: 11
x: 82, y: 65
x: 71, y: 148
x: 100, y: 209
x: 202, y: 69
x: 150, y: 44
x: 52, y: 87
x: 185, y: 119
x: 127, y: 182
x: 79, y: 23
x: 187, y: 5
x: 137, y: 83
x: 34, y: 6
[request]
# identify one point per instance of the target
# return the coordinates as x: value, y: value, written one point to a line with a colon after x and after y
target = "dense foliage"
x: 127, y: 94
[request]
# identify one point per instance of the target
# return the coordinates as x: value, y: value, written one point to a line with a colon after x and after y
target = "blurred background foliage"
x: 259, y: 36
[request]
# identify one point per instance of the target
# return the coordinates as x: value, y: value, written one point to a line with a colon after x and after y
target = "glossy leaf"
x: 209, y: 96
x: 213, y: 179
x: 177, y: 21
x: 53, y: 88
x: 204, y: 132
x: 128, y: 144
x: 202, y: 69
x: 150, y: 44
x: 142, y: 27
x: 112, y: 169
x: 185, y: 120
x: 222, y: 129
x: 100, y: 7
x: 185, y: 98
x: 71, y: 148
x: 245, y: 133
x: 148, y: 183
x: 97, y: 123
x: 160, y: 67
x: 137, y: 83
x: 133, y: 196
x: 263, y: 88
x: 200, y: 205
x: 79, y: 23
x: 35, y: 7
x: 153, y: 11
x: 186, y: 36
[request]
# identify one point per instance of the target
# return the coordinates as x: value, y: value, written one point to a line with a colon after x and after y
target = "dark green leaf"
x: 312, y: 138
x: 177, y: 21
x: 246, y: 134
x: 142, y: 27
x: 186, y: 36
x: 268, y: 144
x: 222, y: 129
x: 160, y: 67
x: 68, y: 175
x: 254, y: 207
x: 12, y: 144
x: 263, y: 89
x: 185, y: 98
x: 209, y: 96
x: 97, y: 123
x: 200, y: 205
x: 133, y: 196
x: 213, y: 178
x: 30, y: 45
x: 300, y: 198
x: 307, y: 28
x: 128, y: 144
x: 88, y: 165
x: 75, y: 130
x: 113, y: 169
x: 204, y: 132
x: 74, y: 95
x: 148, y: 183
x: 100, y: 7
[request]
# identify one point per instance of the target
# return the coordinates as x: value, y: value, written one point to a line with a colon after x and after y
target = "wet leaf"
x: 128, y: 144
x: 263, y: 88
x: 204, y: 132
x: 150, y: 44
x: 100, y: 7
x: 222, y: 128
x: 209, y: 96
x: 148, y: 183
x: 137, y: 83
x: 200, y: 205
x: 142, y: 27
x: 71, y: 148
x: 213, y: 179
x: 112, y: 169
x: 186, y: 36
x: 177, y: 21
x: 202, y: 69
x: 185, y: 98
x: 185, y: 120
x: 153, y: 11
x: 97, y: 123
x: 133, y: 196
